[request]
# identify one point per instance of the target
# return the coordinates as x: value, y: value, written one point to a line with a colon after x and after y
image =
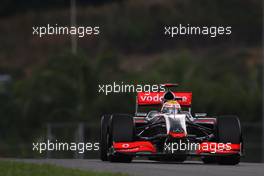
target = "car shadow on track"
x: 168, y: 162
x: 188, y: 162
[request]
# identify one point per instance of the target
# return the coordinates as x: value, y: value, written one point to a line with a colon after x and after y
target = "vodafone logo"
x: 184, y: 98
x: 157, y: 98
x: 125, y: 145
x: 145, y: 98
x: 150, y: 98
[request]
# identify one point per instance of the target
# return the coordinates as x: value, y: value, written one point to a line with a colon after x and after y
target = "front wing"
x: 146, y: 148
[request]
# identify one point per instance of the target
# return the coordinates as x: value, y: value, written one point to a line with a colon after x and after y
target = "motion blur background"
x: 47, y: 90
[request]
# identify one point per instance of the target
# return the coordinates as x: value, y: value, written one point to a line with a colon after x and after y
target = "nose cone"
x: 177, y: 133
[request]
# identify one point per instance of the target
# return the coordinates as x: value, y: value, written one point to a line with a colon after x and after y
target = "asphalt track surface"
x: 151, y: 168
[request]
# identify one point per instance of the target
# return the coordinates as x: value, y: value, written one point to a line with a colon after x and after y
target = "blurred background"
x: 49, y: 85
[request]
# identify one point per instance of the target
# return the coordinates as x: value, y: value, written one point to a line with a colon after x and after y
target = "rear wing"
x: 154, y: 100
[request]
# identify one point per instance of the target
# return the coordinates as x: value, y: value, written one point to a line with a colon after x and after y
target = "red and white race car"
x: 164, y: 129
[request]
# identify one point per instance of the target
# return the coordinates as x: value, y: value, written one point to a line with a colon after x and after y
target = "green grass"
x: 11, y: 168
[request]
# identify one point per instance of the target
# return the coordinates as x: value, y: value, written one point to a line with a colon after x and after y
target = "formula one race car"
x: 170, y: 134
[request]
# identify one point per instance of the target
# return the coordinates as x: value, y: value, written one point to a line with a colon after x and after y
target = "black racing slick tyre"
x: 122, y: 130
x: 104, y: 144
x: 229, y: 131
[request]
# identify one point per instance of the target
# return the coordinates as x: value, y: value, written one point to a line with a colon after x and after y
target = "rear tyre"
x: 104, y: 144
x: 122, y: 130
x: 229, y: 131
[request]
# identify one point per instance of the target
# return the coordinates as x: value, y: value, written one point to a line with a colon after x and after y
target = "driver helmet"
x: 171, y: 107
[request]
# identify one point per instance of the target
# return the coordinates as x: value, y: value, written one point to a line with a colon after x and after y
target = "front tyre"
x: 229, y: 131
x: 122, y: 130
x: 104, y: 144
